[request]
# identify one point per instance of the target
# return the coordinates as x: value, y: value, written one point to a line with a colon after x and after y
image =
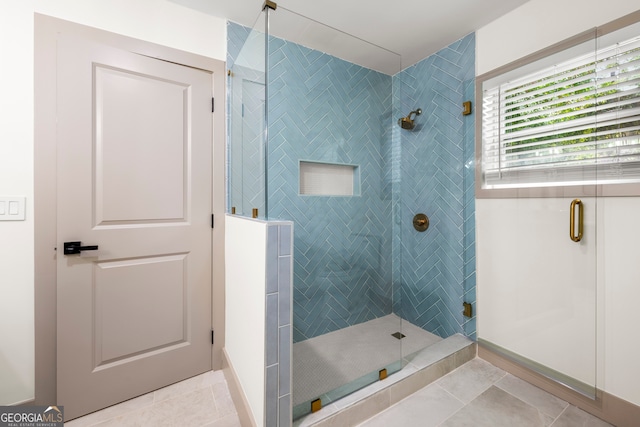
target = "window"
x: 570, y: 118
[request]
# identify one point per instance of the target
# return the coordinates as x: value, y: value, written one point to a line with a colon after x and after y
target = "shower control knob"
x: 421, y: 222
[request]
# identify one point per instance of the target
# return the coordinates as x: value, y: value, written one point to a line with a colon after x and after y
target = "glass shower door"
x: 330, y: 135
x: 537, y: 290
x: 536, y: 217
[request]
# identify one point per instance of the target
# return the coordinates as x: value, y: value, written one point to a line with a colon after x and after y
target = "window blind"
x: 576, y: 122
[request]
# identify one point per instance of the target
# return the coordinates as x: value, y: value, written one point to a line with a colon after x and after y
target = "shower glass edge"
x: 323, y: 109
x: 247, y: 122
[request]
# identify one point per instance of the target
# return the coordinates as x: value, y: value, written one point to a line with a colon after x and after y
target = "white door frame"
x: 45, y: 192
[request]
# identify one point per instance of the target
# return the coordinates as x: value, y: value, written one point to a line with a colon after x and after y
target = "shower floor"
x: 324, y: 363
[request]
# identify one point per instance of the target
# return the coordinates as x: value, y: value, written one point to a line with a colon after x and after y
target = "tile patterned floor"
x: 361, y: 349
x: 480, y: 395
x: 201, y: 401
x: 475, y: 395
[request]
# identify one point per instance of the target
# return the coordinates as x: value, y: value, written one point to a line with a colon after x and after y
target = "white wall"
x: 158, y: 21
x: 245, y: 322
x: 16, y: 178
x: 541, y: 23
x: 534, y: 26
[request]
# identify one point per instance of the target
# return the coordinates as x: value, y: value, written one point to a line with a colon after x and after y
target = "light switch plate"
x: 12, y: 208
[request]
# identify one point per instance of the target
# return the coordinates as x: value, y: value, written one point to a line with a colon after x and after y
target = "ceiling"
x: 414, y: 29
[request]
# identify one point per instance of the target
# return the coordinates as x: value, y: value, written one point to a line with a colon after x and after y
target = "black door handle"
x: 71, y: 248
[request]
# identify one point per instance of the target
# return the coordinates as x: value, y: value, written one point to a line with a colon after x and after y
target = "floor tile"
x: 538, y: 398
x: 427, y: 407
x: 157, y: 415
x: 471, y: 379
x: 188, y: 385
x: 475, y: 395
x: 328, y: 362
x: 575, y: 417
x: 230, y: 420
x: 192, y: 409
x: 222, y: 397
x: 199, y: 401
x: 123, y: 408
x: 497, y: 408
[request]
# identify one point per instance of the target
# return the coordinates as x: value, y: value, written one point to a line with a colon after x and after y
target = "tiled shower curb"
x: 422, y: 369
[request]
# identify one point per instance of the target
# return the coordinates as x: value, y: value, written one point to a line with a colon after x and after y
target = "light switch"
x: 12, y: 208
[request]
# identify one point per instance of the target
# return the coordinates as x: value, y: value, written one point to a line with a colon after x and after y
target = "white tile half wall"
x: 259, y: 276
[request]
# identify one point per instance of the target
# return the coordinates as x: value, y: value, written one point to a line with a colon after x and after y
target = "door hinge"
x: 213, y: 105
x: 212, y: 336
x: 213, y: 222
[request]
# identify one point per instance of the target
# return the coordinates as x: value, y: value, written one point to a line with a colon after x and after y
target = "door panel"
x: 134, y: 177
x: 132, y: 327
x: 127, y: 121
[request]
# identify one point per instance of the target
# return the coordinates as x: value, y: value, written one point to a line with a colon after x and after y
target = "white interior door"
x: 134, y: 174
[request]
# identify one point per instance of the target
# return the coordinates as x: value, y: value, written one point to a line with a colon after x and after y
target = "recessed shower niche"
x: 329, y: 179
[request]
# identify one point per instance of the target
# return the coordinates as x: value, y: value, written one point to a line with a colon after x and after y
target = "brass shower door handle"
x: 572, y: 220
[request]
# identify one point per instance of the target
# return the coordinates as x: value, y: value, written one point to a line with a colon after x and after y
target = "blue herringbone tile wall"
x: 437, y: 265
x: 357, y: 258
x: 324, y: 109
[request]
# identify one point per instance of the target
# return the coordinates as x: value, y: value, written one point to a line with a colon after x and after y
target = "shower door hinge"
x: 213, y: 105
x: 468, y: 309
x: 269, y: 4
x: 213, y: 222
x: 212, y: 334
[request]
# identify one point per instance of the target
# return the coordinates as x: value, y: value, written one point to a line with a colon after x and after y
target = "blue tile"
x: 285, y: 242
x: 284, y: 375
x: 271, y: 396
x: 332, y: 110
x: 284, y: 290
x: 470, y: 295
x: 348, y: 250
x: 271, y: 334
x: 272, y: 259
x: 470, y: 327
x: 285, y: 417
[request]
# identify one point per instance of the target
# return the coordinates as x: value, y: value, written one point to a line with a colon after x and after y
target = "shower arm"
x: 416, y: 112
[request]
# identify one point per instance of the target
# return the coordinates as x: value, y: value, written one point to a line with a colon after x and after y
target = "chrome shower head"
x: 407, y: 122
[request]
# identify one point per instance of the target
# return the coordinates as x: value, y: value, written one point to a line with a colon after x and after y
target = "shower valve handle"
x: 421, y: 222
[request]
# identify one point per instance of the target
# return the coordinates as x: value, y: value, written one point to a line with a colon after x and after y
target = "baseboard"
x: 608, y: 407
x: 237, y: 394
x: 27, y: 402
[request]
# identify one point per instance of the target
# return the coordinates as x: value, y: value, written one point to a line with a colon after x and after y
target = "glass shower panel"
x: 618, y: 89
x: 433, y: 164
x: 335, y: 114
x: 247, y: 122
x: 537, y: 252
